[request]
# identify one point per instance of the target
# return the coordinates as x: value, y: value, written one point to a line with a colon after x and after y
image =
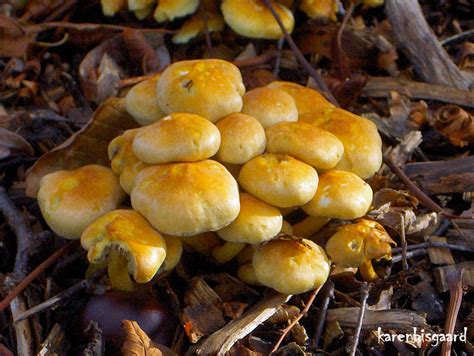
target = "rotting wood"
x: 441, y: 275
x: 380, y: 87
x: 441, y: 177
x: 222, y: 340
x: 416, y: 39
x: 395, y: 319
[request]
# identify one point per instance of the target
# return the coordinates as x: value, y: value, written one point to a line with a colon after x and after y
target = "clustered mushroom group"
x: 217, y: 168
x: 249, y: 18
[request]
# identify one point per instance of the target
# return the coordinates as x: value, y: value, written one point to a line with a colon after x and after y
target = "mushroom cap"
x: 124, y: 163
x: 341, y: 195
x: 196, y: 26
x: 132, y: 235
x: 174, y: 251
x: 251, y: 18
x: 134, y: 5
x: 212, y: 88
x: 291, y: 266
x: 317, y: 147
x: 141, y: 102
x: 257, y: 222
x: 242, y: 138
x: 111, y: 7
x: 306, y: 99
x: 269, y: 106
x: 202, y: 243
x: 186, y: 199
x: 279, y: 180
x: 361, y: 140
x: 179, y: 137
x: 356, y: 243
x: 71, y: 200
x: 319, y: 9
x: 168, y: 10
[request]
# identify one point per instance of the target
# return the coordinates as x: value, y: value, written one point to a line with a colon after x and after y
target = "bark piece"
x: 439, y: 255
x: 441, y: 177
x: 415, y: 38
x: 441, y: 275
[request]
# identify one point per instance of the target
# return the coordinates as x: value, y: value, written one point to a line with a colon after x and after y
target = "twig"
x: 286, y: 330
x: 89, y: 27
x: 417, y: 192
x: 60, y: 297
x: 35, y: 273
x: 455, y: 281
x: 341, y: 54
x: 276, y: 70
x: 346, y: 298
x: 410, y: 254
x: 328, y: 295
x: 207, y: 34
x: 434, y: 244
x: 299, y: 56
x: 404, y: 243
x: 360, y: 320
x: 457, y: 38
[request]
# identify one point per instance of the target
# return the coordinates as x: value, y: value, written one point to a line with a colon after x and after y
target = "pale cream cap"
x: 168, y: 10
x: 196, y: 26
x: 269, y: 106
x: 242, y: 138
x: 185, y: 199
x: 319, y: 148
x: 291, y: 266
x: 257, y: 222
x: 71, y: 200
x: 341, y: 195
x: 212, y: 88
x: 279, y: 180
x: 179, y: 137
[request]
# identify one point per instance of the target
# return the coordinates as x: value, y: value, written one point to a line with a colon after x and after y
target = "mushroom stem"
x: 118, y: 272
x: 228, y: 251
x: 367, y: 271
x: 309, y: 226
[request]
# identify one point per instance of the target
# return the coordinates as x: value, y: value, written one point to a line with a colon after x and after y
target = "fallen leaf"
x: 87, y: 146
x: 12, y: 143
x: 14, y: 42
x: 456, y: 124
x: 136, y: 342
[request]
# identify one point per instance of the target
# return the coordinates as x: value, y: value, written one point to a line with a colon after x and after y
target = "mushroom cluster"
x: 216, y: 168
x: 249, y: 18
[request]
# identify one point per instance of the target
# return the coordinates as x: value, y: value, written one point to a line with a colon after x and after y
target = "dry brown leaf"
x: 87, y: 146
x: 136, y: 342
x: 455, y: 124
x: 14, y: 42
x: 11, y: 142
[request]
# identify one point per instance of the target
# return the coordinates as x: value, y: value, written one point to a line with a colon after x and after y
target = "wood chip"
x: 222, y: 340
x: 441, y: 274
x: 439, y: 255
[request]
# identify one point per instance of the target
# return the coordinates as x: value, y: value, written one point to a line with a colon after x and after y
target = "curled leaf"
x: 136, y: 342
x: 11, y: 142
x: 455, y: 124
x: 87, y: 146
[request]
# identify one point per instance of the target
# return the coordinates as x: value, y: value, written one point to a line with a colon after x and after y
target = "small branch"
x: 360, y: 320
x: 410, y: 254
x: 404, y: 243
x: 299, y: 56
x: 89, y: 27
x: 434, y: 244
x: 35, y: 273
x: 286, y: 330
x: 457, y: 38
x: 341, y: 54
x: 328, y: 295
x: 455, y: 281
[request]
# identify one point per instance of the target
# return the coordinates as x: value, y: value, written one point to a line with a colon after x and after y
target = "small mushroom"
x: 134, y: 5
x: 361, y: 140
x: 279, y: 180
x: 203, y: 243
x: 141, y: 102
x: 355, y: 245
x: 111, y: 7
x: 269, y: 106
x: 251, y: 18
x: 179, y: 137
x: 291, y: 266
x: 257, y: 222
x: 185, y: 87
x: 185, y: 199
x: 198, y: 24
x: 306, y: 99
x: 316, y: 147
x: 319, y: 9
x: 130, y: 245
x: 242, y: 138
x: 174, y: 251
x: 168, y: 10
x: 309, y: 226
x: 71, y: 200
x: 124, y: 163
